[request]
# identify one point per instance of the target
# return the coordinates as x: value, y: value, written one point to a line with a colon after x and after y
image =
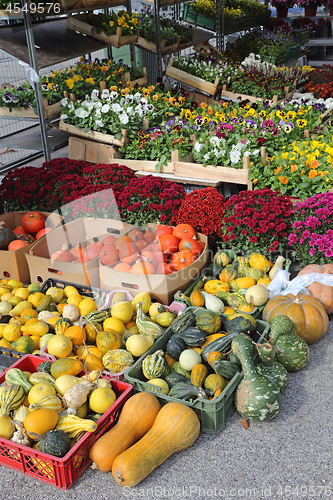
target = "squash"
x: 175, y: 346
x: 188, y: 359
x: 61, y: 325
x: 271, y: 368
x: 176, y: 427
x: 306, y: 312
x: 66, y: 366
x: 213, y: 286
x: 54, y: 442
x: 174, y: 378
x: 16, y: 376
x: 45, y: 367
x: 117, y: 359
x: 145, y: 325
x: 74, y: 426
x: 77, y: 334
x: 107, y: 340
x: 6, y: 237
x: 37, y: 377
x: 239, y: 283
x: 323, y: 293
x: 153, y: 366
x: 192, y: 336
x: 259, y: 261
x: 223, y: 367
x: 228, y: 274
x: 11, y: 398
x: 135, y: 420
x: 197, y: 299
x: 176, y: 368
x: 198, y: 374
x: 208, y: 321
x: 40, y: 421
x: 183, y: 321
x: 256, y: 397
x: 187, y: 391
x: 221, y: 258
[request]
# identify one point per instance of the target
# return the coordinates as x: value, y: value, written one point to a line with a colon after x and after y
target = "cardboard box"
x: 13, y: 265
x: 78, y: 231
x: 161, y: 287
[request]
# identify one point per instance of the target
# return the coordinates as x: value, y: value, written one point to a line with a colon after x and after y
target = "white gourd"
x: 71, y: 312
x: 77, y: 395
x: 278, y: 263
x: 213, y: 303
x: 45, y: 315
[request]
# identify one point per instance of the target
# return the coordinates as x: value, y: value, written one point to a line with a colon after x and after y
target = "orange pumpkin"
x: 184, y: 231
x: 92, y: 250
x: 142, y: 267
x: 32, y: 222
x: 136, y: 418
x: 141, y: 244
x: 77, y: 334
x: 193, y: 245
x: 164, y: 268
x: 307, y: 313
x: 108, y: 255
x: 169, y: 243
x: 179, y: 260
x: 149, y: 235
x: 136, y: 235
x: 109, y: 240
x: 122, y: 267
x: 62, y: 255
x: 323, y: 293
x: 19, y: 230
x: 16, y: 245
x: 163, y: 230
x: 128, y: 252
x: 42, y: 232
x: 154, y: 258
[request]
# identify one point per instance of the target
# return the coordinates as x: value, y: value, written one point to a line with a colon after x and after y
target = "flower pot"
x: 281, y: 11
x: 310, y: 11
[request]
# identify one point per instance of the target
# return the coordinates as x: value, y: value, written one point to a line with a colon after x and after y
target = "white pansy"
x: 235, y: 155
x: 129, y: 98
x: 98, y: 105
x: 95, y: 94
x: 214, y: 140
x: 123, y: 118
x: 64, y: 101
x: 81, y: 113
x: 90, y: 105
x: 105, y: 108
x: 130, y: 111
x: 63, y: 117
x: 206, y: 157
x: 143, y: 101
x: 137, y: 96
x: 255, y: 152
x: 113, y: 95
x: 98, y: 113
x: 71, y: 106
x: 99, y: 123
x: 116, y: 108
x: 105, y: 93
x: 198, y: 147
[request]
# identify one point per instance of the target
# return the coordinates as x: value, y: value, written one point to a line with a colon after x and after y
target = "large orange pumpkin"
x: 32, y: 222
x: 307, y: 313
x: 324, y: 293
x: 16, y: 245
x: 184, y: 231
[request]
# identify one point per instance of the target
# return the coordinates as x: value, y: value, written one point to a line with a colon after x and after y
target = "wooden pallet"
x: 79, y: 23
x: 193, y: 81
x: 95, y: 136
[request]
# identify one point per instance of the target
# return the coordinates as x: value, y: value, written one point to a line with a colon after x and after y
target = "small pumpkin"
x: 209, y: 322
x: 323, y: 293
x: 228, y: 274
x: 32, y: 222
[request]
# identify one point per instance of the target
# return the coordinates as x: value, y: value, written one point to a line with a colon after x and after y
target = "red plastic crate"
x: 59, y: 472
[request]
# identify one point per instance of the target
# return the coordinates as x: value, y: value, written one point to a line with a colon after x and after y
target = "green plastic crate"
x: 214, y: 414
x: 193, y: 17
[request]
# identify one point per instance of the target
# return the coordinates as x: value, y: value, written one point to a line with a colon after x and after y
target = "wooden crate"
x: 140, y: 82
x: 193, y: 81
x: 79, y: 23
x: 50, y: 110
x: 241, y: 97
x: 142, y: 43
x: 95, y: 136
x: 222, y: 174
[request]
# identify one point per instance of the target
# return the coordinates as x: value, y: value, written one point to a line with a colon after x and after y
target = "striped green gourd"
x: 153, y: 366
x: 37, y: 377
x: 16, y: 376
x: 269, y: 367
x: 97, y: 316
x: 11, y: 398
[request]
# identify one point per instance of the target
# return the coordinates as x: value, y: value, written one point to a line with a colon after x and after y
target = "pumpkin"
x: 6, y: 237
x: 32, y: 222
x: 63, y: 255
x: 42, y: 232
x: 136, y: 418
x: 214, y: 286
x: 161, y: 230
x: 26, y: 237
x: 193, y: 245
x: 323, y: 293
x: 181, y: 259
x: 306, y: 312
x: 142, y: 266
x: 176, y: 427
x: 169, y: 243
x: 92, y: 250
x: 184, y: 231
x: 108, y: 255
x: 209, y: 322
x: 128, y: 252
x: 228, y: 274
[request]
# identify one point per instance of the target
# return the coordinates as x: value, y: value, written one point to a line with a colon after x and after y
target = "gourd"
x: 233, y: 299
x: 74, y: 425
x: 66, y: 366
x: 174, y: 377
x: 259, y: 261
x: 6, y: 427
x: 220, y: 345
x: 213, y: 286
x: 49, y: 402
x: 197, y: 298
x: 239, y: 283
x: 153, y: 366
x: 257, y: 295
x: 54, y: 442
x: 183, y: 321
x: 6, y: 237
x: 198, y: 374
x: 187, y: 391
x: 208, y: 321
x: 213, y: 303
x: 223, y: 367
x: 306, y: 312
x: 321, y: 292
x: 96, y: 316
x: 44, y: 316
x: 135, y: 420
x: 20, y: 436
x: 177, y: 368
x: 11, y: 397
x: 278, y: 264
x: 256, y: 397
x: 45, y: 367
x: 192, y: 336
x: 292, y: 352
x: 164, y: 319
x: 21, y: 413
x: 176, y: 427
x: 23, y: 344
x: 117, y: 359
x: 146, y: 326
x: 228, y: 274
x: 188, y: 359
x: 37, y: 377
x: 107, y: 340
x: 221, y: 258
x: 76, y: 395
x: 40, y: 421
x: 71, y: 312
x: 175, y: 346
x: 44, y: 303
x: 16, y: 376
x: 269, y: 367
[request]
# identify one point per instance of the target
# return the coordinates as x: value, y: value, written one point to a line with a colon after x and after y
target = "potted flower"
x: 310, y: 6
x: 311, y: 237
x: 282, y: 7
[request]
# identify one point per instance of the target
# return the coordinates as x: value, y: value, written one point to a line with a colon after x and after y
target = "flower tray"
x: 193, y: 17
x: 79, y: 23
x: 142, y: 43
x: 193, y: 81
x: 59, y: 472
x: 241, y: 97
x: 223, y: 174
x: 96, y: 136
x: 49, y: 109
x: 214, y: 414
x: 140, y: 82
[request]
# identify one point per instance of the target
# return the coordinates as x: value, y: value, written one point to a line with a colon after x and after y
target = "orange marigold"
x: 293, y: 168
x: 283, y: 180
x: 312, y: 173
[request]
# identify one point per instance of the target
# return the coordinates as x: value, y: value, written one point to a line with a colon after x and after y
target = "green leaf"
x: 117, y: 136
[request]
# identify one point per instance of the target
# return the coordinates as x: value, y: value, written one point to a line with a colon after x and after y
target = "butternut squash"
x: 176, y: 427
x: 137, y: 417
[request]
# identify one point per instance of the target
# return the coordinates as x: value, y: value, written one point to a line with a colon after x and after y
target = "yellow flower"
x: 69, y: 83
x: 50, y: 85
x: 114, y: 88
x: 285, y: 155
x: 291, y: 115
x: 301, y: 123
x: 77, y: 78
x: 90, y: 80
x: 111, y: 23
